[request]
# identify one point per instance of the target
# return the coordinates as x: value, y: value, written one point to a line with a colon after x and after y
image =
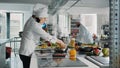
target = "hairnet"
x: 40, y: 10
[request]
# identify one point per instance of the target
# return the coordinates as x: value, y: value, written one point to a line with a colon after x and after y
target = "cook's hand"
x: 61, y: 44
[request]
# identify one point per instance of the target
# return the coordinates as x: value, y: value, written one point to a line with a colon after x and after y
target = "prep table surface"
x: 102, y: 62
x: 38, y: 61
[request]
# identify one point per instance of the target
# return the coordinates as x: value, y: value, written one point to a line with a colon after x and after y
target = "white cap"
x: 40, y: 10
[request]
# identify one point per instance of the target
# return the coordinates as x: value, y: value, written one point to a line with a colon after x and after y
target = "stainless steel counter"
x: 60, y: 62
x: 102, y: 62
x: 47, y: 61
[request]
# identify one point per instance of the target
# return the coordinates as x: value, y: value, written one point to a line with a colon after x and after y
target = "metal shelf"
x: 115, y: 34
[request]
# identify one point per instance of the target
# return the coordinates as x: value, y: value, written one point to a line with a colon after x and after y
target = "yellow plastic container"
x: 72, y: 54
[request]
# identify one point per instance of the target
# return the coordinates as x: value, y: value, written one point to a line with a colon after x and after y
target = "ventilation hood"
x: 65, y: 5
x: 55, y: 6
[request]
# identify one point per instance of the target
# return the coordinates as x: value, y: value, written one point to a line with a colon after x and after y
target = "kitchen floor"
x: 14, y: 61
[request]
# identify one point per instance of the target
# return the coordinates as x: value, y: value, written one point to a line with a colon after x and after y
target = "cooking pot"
x: 85, y: 49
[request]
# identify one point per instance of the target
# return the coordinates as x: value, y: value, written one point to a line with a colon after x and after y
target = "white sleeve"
x: 87, y: 37
x: 38, y: 30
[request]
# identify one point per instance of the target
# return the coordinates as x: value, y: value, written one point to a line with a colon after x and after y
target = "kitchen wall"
x: 26, y: 9
x: 102, y: 14
x: 23, y: 8
x: 102, y: 19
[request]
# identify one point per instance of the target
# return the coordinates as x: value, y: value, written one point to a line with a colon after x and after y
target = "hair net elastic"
x: 40, y: 10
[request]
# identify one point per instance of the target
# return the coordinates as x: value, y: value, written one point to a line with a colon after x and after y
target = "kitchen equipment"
x: 43, y: 52
x: 20, y: 34
x: 59, y: 52
x: 59, y: 55
x: 85, y: 49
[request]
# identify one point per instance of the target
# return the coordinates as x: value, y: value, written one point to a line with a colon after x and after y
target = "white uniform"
x: 31, y: 35
x: 84, y: 35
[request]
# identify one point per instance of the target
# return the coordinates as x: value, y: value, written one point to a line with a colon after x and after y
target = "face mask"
x: 44, y: 25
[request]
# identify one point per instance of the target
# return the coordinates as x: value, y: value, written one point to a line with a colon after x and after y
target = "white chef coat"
x: 84, y: 35
x: 31, y: 36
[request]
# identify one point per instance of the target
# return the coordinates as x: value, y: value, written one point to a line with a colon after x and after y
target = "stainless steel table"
x: 102, y: 62
x: 47, y: 61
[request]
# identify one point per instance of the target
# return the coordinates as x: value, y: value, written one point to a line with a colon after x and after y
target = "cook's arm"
x: 38, y: 29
